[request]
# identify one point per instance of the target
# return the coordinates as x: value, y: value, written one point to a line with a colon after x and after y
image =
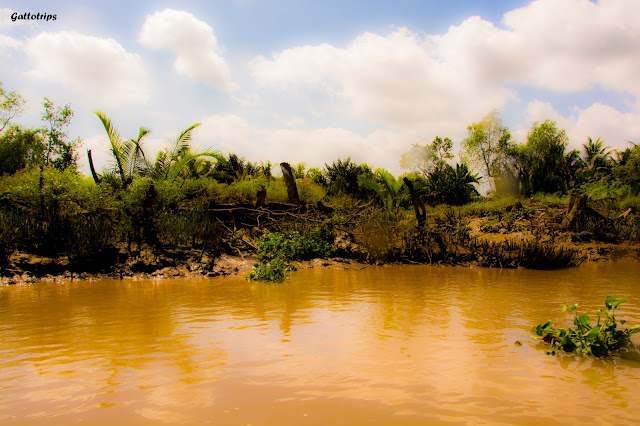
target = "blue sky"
x: 315, y: 81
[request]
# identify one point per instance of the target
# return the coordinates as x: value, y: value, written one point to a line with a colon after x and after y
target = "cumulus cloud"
x: 98, y: 67
x: 396, y: 80
x: 576, y: 44
x: 194, y: 44
x: 414, y: 81
x: 7, y: 42
x: 315, y: 147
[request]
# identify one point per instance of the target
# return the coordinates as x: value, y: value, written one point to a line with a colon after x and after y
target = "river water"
x: 386, y: 345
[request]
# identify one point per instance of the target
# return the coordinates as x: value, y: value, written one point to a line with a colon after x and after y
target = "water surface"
x: 397, y: 344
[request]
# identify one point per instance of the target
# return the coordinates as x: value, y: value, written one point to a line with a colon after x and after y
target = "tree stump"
x: 578, y: 205
x: 290, y: 182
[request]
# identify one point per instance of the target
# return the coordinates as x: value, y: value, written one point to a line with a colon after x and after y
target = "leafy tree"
x: 11, y: 106
x: 627, y: 169
x: 233, y: 168
x: 487, y: 145
x: 316, y: 175
x: 453, y: 186
x: 539, y: 163
x: 442, y: 183
x: 299, y: 170
x: 60, y: 154
x: 342, y: 177
x: 20, y: 148
x: 572, y: 169
x: 427, y: 158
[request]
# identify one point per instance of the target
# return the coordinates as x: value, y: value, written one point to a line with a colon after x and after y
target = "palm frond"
x: 116, y: 144
x: 186, y: 157
x: 183, y: 142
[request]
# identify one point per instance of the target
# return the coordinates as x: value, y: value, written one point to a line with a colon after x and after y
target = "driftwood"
x: 290, y: 182
x: 626, y: 214
x: 418, y: 205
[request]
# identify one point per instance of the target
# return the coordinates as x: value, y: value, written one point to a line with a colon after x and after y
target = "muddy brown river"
x: 386, y: 345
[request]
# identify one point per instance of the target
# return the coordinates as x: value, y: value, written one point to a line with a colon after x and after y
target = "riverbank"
x: 506, y: 233
x: 29, y: 268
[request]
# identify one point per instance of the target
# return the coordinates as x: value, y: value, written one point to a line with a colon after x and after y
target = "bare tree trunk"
x: 261, y: 196
x: 290, y: 181
x: 418, y: 205
x: 96, y: 179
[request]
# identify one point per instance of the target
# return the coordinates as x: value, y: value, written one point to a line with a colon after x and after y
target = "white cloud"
x: 194, y: 44
x: 395, y: 80
x: 576, y: 44
x: 9, y: 42
x: 436, y: 84
x: 315, y: 147
x: 6, y: 22
x: 96, y: 67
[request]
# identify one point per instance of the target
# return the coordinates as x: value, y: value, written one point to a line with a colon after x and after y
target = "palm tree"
x: 130, y: 159
x: 173, y: 160
x: 596, y: 154
x: 127, y: 154
x: 462, y: 185
x: 384, y: 185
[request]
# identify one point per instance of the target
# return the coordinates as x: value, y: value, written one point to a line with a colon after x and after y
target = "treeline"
x: 183, y: 197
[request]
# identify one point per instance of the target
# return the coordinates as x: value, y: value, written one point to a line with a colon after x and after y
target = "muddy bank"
x: 27, y: 268
x: 31, y: 268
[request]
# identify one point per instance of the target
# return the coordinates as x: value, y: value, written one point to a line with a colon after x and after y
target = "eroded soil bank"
x: 499, y: 235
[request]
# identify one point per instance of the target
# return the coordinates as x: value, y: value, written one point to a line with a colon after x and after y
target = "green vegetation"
x: 277, y: 250
x: 605, y: 338
x: 155, y: 207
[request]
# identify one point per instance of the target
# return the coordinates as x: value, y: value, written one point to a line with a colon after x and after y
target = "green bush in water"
x: 602, y: 339
x: 276, y: 250
x: 269, y: 271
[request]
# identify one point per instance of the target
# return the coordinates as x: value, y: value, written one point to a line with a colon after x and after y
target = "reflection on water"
x: 400, y: 344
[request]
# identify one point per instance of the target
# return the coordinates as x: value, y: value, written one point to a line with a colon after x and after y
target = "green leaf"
x: 568, y: 345
x: 541, y: 328
x: 591, y: 334
x: 569, y: 308
x: 599, y: 350
x: 613, y: 302
x: 584, y: 320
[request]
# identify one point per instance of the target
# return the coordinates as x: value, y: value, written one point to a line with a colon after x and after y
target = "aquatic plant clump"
x: 276, y: 250
x: 605, y: 338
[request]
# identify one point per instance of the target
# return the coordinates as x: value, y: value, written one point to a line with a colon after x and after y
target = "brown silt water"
x: 385, y: 345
